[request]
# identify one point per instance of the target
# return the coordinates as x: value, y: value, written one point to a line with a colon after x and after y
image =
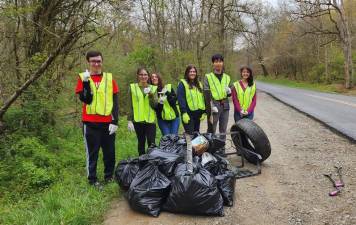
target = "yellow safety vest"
x: 102, y: 96
x: 168, y: 112
x: 195, y: 98
x: 245, y: 97
x: 217, y: 87
x: 142, y: 110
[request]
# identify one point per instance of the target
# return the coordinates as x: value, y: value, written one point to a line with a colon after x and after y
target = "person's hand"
x: 86, y: 76
x: 164, y: 90
x: 147, y: 90
x: 214, y: 109
x: 203, y: 117
x: 130, y: 126
x: 228, y: 90
x: 185, y: 118
x: 244, y: 113
x: 112, y: 128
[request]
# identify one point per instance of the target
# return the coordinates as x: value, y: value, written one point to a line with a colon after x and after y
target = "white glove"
x: 130, y: 126
x: 164, y: 90
x: 86, y: 76
x: 162, y: 99
x: 228, y: 90
x: 147, y: 90
x: 112, y: 128
x: 243, y: 112
x: 214, y: 109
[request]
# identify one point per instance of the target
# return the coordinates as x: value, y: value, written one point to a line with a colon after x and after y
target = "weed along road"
x: 291, y: 188
x: 336, y: 111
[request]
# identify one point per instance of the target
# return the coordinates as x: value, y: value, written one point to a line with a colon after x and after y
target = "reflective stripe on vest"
x: 102, y: 96
x: 217, y: 87
x: 245, y: 97
x: 168, y: 112
x: 141, y: 104
x: 194, y: 97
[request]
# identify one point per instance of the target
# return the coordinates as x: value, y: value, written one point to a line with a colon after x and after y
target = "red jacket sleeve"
x: 115, y: 87
x: 235, y: 100
x: 253, y: 105
x: 79, y: 87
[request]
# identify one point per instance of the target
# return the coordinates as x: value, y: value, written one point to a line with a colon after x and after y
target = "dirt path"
x: 291, y: 189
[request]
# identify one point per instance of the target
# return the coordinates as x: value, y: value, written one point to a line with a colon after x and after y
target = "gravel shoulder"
x: 291, y: 189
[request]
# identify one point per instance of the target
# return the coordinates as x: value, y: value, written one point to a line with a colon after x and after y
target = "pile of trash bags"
x: 163, y: 179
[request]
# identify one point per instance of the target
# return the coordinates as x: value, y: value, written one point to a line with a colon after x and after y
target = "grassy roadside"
x: 68, y: 199
x: 330, y: 88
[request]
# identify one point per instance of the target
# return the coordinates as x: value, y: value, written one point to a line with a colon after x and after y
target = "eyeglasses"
x: 95, y: 61
x: 143, y: 74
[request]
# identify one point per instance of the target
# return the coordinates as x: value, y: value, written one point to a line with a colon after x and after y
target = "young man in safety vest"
x: 216, y: 91
x: 99, y: 93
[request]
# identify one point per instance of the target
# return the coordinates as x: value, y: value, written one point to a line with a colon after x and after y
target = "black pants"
x: 194, y: 122
x: 94, y: 138
x: 145, y: 131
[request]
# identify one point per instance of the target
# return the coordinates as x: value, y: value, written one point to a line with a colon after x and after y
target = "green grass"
x: 330, y: 88
x: 68, y: 199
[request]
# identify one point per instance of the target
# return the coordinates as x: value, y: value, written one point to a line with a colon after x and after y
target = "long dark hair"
x: 160, y: 81
x: 250, y: 78
x: 195, y: 82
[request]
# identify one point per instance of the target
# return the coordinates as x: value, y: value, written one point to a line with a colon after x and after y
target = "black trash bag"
x: 215, y: 142
x: 194, y: 193
x: 166, y: 161
x: 173, y: 143
x: 125, y: 172
x: 148, y: 190
x: 226, y: 185
x: 218, y: 167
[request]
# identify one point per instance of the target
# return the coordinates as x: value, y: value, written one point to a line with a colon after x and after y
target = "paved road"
x: 335, y: 110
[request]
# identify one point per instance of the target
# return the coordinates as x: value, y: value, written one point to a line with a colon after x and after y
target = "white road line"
x: 333, y: 100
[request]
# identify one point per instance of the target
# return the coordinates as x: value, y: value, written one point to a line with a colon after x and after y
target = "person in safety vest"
x: 191, y: 100
x: 216, y: 92
x: 166, y: 110
x: 99, y: 93
x: 142, y: 116
x: 244, y: 95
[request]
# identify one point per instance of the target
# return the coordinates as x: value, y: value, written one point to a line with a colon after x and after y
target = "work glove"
x: 185, y: 118
x: 130, y: 126
x: 214, y: 109
x: 203, y: 117
x: 164, y: 90
x: 112, y: 128
x: 162, y: 99
x: 147, y: 90
x: 228, y: 90
x: 86, y: 76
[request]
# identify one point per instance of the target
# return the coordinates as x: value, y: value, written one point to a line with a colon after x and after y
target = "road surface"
x: 334, y: 110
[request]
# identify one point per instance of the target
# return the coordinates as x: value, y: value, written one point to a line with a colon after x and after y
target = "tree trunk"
x: 264, y: 69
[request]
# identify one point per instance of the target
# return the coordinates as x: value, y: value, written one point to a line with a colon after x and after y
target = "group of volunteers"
x: 152, y: 101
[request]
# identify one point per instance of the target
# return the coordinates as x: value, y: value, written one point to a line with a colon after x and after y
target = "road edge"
x: 333, y: 129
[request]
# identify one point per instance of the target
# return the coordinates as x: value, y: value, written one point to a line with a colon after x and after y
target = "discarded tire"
x: 252, y: 137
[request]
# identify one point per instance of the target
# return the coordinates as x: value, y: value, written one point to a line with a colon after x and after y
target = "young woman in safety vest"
x: 142, y: 117
x: 244, y: 95
x: 166, y: 110
x: 191, y: 100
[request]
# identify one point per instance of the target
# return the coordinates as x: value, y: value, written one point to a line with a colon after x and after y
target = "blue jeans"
x: 168, y: 126
x: 238, y: 117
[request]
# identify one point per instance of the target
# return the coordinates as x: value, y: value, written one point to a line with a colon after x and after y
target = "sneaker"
x: 108, y: 180
x: 96, y: 185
